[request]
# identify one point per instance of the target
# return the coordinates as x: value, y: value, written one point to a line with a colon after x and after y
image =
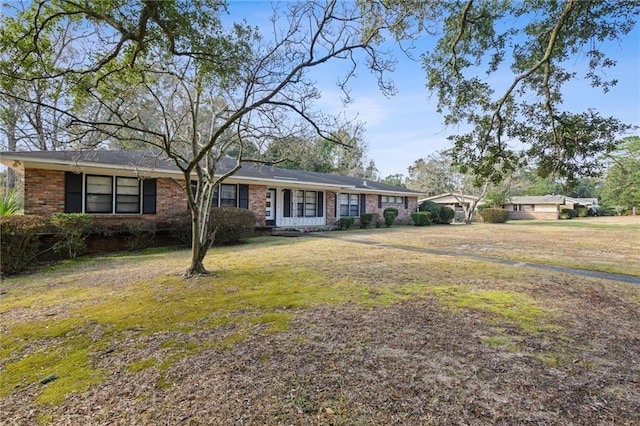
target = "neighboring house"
x: 535, y: 207
x: 116, y: 185
x: 453, y: 200
x: 581, y: 203
x: 545, y: 206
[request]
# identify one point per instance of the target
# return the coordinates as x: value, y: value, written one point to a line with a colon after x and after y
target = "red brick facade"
x: 44, y: 194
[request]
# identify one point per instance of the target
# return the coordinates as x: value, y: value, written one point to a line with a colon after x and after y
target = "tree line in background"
x: 183, y: 79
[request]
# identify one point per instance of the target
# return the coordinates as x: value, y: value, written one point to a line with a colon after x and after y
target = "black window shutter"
x: 149, y: 196
x: 320, y: 204
x: 243, y: 196
x: 363, y: 203
x: 335, y: 213
x: 379, y: 201
x: 406, y: 202
x: 72, y: 192
x: 287, y: 202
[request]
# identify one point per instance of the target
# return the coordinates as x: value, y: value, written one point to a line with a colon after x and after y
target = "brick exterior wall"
x: 371, y: 200
x: 44, y: 195
x: 170, y: 199
x: 43, y: 192
x: 533, y: 215
x: 257, y: 203
x: 404, y: 214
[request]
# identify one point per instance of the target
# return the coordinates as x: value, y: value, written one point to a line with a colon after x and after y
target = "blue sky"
x: 406, y: 127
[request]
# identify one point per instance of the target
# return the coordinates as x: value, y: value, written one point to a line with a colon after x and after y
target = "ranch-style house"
x: 113, y: 185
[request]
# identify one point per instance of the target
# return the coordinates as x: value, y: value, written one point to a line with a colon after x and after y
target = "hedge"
x: 493, y: 215
x: 421, y: 218
x: 19, y: 245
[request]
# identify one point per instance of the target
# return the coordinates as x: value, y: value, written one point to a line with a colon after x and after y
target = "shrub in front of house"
x: 345, y: 222
x: 365, y: 220
x: 493, y: 215
x: 389, y: 214
x: 230, y: 224
x: 583, y: 212
x: 420, y: 218
x: 19, y: 245
x: 142, y: 232
x: 433, y: 208
x: 570, y: 213
x: 72, y: 231
x: 446, y: 215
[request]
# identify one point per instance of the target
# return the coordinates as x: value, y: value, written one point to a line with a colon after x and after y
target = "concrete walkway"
x: 575, y: 271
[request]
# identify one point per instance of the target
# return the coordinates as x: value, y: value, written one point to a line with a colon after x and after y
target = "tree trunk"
x: 201, y: 237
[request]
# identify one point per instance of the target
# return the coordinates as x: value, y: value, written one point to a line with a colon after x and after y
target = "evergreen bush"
x: 389, y: 214
x: 345, y: 222
x: 446, y: 215
x: 494, y: 215
x: 20, y: 243
x: 420, y: 218
x: 365, y: 220
x: 72, y: 230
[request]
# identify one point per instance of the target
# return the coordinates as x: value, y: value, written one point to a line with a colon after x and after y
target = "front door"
x: 270, y: 207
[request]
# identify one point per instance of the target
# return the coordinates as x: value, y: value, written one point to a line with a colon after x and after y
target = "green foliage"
x: 446, y: 215
x: 229, y: 225
x: 570, y: 213
x: 493, y: 215
x: 622, y: 182
x: 389, y: 214
x: 9, y: 204
x: 345, y: 222
x: 484, y: 39
x: 434, y: 210
x: 73, y: 229
x: 20, y: 241
x: 582, y: 212
x: 365, y: 220
x: 232, y: 224
x: 421, y: 218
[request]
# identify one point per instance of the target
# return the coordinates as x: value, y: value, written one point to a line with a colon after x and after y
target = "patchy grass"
x: 308, y: 331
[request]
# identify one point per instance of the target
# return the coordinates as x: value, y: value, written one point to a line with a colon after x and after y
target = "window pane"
x: 98, y: 185
x: 310, y: 200
x: 344, y: 210
x: 354, y: 210
x: 127, y: 195
x: 385, y: 199
x: 98, y: 203
x: 99, y: 194
x: 228, y: 196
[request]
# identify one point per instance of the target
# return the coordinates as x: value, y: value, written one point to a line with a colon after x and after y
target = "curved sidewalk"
x: 575, y: 271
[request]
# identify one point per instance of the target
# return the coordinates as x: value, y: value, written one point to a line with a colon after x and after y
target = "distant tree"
x: 396, y: 180
x: 432, y: 175
x: 622, y: 181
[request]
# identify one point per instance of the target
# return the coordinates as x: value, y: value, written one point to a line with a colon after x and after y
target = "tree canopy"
x: 499, y: 71
x: 622, y: 182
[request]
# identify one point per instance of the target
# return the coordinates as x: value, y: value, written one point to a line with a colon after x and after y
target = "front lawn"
x: 324, y: 331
